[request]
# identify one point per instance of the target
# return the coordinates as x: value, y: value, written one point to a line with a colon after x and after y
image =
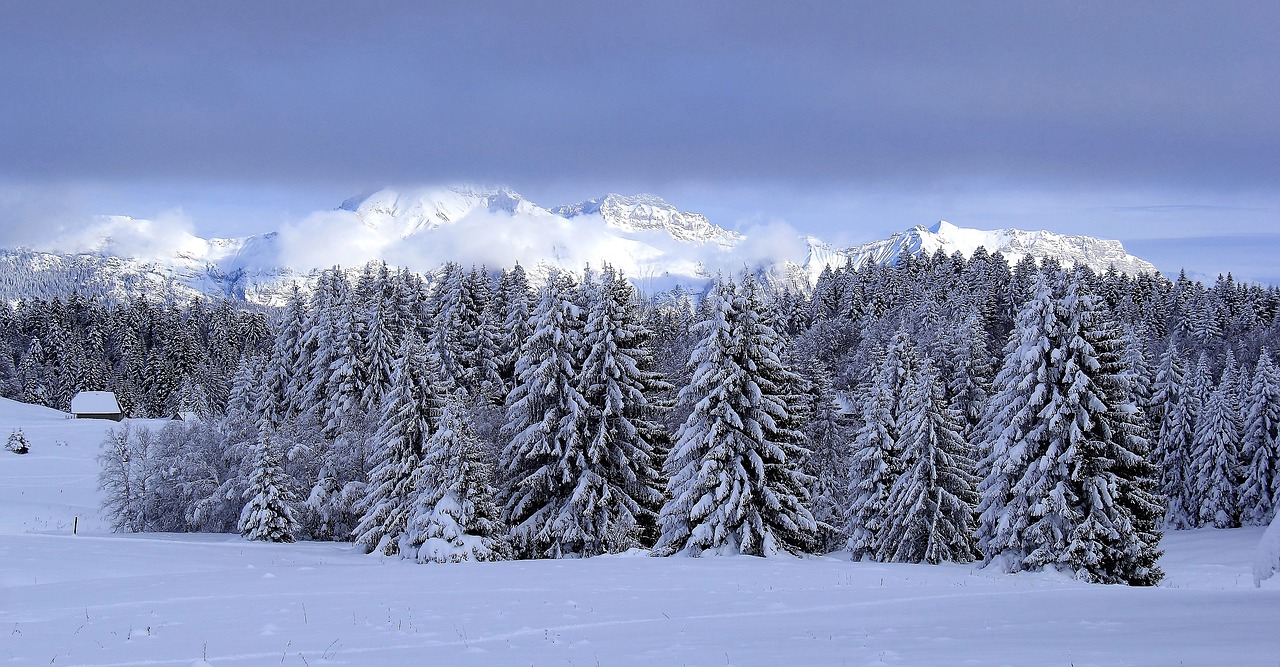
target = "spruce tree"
x: 828, y: 463
x: 404, y: 428
x: 513, y: 307
x: 1068, y: 484
x: 1117, y: 541
x: 382, y: 341
x: 1260, y: 452
x: 618, y: 492
x: 1216, y: 462
x: 547, y: 421
x: 268, y: 515
x: 454, y: 517
x: 876, y: 460
x: 1026, y: 512
x: 1175, y: 440
x: 929, y: 510
x: 735, y: 486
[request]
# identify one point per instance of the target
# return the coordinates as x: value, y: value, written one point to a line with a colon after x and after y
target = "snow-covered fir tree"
x: 876, y: 459
x: 618, y: 491
x: 1066, y: 483
x: 828, y: 434
x: 453, y: 515
x: 735, y: 483
x: 1117, y: 541
x: 1174, y: 407
x: 547, y: 421
x: 929, y: 509
x: 268, y: 514
x: 1260, y: 450
x: 1216, y: 461
x: 405, y: 426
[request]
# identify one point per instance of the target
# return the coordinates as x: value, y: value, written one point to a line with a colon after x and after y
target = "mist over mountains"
x: 650, y: 240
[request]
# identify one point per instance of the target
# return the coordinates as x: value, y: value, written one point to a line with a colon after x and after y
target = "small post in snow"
x: 75, y: 526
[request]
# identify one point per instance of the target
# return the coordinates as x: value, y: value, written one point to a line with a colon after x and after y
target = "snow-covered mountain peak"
x: 942, y: 227
x: 399, y: 214
x: 643, y: 235
x: 1014, y: 244
x: 646, y: 212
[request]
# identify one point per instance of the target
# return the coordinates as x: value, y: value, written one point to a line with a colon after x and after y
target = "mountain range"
x: 655, y: 243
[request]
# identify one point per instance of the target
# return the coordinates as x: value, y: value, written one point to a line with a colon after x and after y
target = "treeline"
x: 160, y: 359
x: 941, y: 409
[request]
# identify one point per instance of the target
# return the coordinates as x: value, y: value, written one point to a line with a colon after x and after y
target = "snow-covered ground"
x: 162, y: 599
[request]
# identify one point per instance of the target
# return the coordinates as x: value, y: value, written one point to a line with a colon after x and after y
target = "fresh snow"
x: 1266, y: 560
x: 168, y: 599
x: 94, y: 403
x: 1014, y: 244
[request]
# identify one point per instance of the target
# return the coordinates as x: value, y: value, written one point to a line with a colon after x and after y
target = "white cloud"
x: 171, y: 233
x: 501, y: 239
x: 326, y: 238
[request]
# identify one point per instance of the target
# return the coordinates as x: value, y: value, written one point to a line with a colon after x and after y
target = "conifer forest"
x: 942, y: 409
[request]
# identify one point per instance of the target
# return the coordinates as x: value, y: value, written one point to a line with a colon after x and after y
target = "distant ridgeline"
x: 652, y: 242
x: 28, y: 274
x: 373, y: 406
x: 32, y: 274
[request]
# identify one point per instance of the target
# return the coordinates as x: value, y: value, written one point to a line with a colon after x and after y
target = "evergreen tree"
x: 35, y: 383
x: 828, y: 463
x: 399, y: 444
x: 1026, y: 512
x: 877, y: 453
x: 1067, y: 483
x: 618, y: 491
x: 929, y: 509
x: 1260, y: 490
x: 1176, y: 405
x: 969, y: 370
x: 348, y: 375
x: 455, y: 321
x: 547, y: 420
x: 380, y: 347
x: 1217, y: 461
x: 1117, y: 542
x: 454, y: 517
x: 268, y: 515
x: 735, y: 486
x: 513, y: 304
x: 482, y: 344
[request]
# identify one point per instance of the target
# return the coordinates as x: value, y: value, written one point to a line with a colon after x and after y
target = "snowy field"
x: 163, y: 599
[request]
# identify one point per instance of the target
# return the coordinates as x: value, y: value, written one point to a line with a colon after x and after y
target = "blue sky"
x: 1151, y: 122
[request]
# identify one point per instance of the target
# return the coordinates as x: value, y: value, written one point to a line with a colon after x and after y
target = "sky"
x: 1150, y: 122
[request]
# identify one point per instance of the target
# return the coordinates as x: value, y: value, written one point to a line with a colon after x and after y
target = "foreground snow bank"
x: 55, y: 485
x: 163, y: 599
x: 1267, y: 559
x: 176, y: 599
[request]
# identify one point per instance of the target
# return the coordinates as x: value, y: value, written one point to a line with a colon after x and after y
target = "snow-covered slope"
x: 1014, y: 244
x: 649, y: 239
x: 398, y: 214
x: 652, y: 213
x: 55, y: 485
x: 99, y: 598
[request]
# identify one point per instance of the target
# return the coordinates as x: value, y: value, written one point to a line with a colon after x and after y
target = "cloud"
x: 649, y: 93
x: 769, y: 242
x: 170, y: 234
x: 328, y: 238
x: 530, y: 236
x: 1248, y: 257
